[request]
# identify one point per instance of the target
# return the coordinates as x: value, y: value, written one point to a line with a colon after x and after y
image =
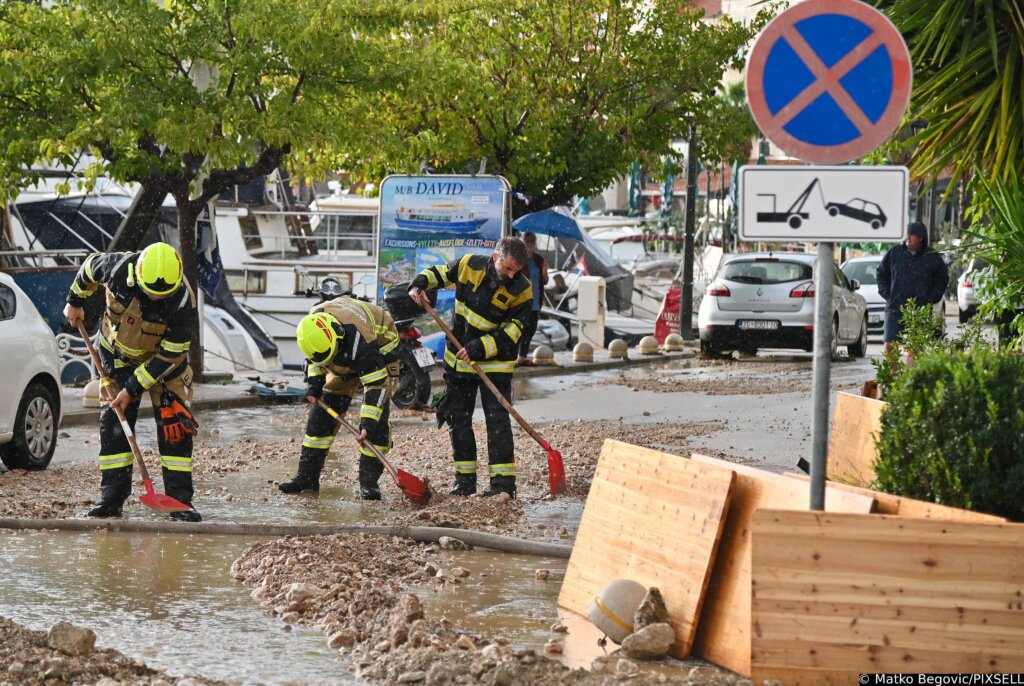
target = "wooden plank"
x: 852, y: 453
x: 723, y: 633
x: 654, y: 518
x: 838, y: 595
x: 906, y: 507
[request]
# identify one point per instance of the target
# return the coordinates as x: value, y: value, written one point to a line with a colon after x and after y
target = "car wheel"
x: 709, y: 352
x: 859, y: 348
x: 965, y: 315
x: 35, y: 430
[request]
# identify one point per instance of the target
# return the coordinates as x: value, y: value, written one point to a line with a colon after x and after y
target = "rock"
x: 651, y: 642
x: 107, y: 681
x: 600, y: 664
x: 16, y: 668
x: 407, y: 610
x: 70, y: 639
x: 542, y: 574
x: 412, y: 677
x: 464, y: 642
x: 189, y: 681
x: 449, y: 543
x: 491, y: 652
x: 554, y: 646
x: 627, y: 667
x: 296, y: 593
x: 290, y: 617
x: 430, y: 568
x: 341, y: 639
x: 460, y: 572
x: 559, y: 628
x: 652, y: 610
x: 439, y: 674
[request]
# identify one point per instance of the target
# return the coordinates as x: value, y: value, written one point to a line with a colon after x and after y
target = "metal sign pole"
x: 822, y: 372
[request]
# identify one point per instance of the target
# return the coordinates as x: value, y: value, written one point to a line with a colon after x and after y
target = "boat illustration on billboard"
x: 438, y: 217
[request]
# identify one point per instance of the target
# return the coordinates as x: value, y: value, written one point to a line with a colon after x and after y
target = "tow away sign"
x: 840, y: 203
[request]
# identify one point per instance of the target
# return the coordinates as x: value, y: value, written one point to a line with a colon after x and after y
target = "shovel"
x: 416, y: 490
x: 151, y: 499
x: 556, y: 468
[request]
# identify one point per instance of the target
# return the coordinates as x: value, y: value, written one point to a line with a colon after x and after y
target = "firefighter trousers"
x: 115, y: 459
x: 462, y: 391
x: 321, y: 430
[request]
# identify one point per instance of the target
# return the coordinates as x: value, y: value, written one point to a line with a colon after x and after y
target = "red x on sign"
x: 829, y: 80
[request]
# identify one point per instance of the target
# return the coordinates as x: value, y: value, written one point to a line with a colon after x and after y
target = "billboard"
x: 430, y: 220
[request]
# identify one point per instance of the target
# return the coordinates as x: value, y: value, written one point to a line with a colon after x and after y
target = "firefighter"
x: 492, y: 303
x: 143, y: 346
x: 348, y: 343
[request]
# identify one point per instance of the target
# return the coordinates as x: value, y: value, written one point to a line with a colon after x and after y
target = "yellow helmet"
x: 159, y: 270
x: 318, y: 335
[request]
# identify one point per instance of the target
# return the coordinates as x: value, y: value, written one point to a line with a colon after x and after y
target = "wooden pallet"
x: 852, y: 453
x: 838, y: 595
x: 889, y: 504
x: 723, y: 633
x: 654, y: 518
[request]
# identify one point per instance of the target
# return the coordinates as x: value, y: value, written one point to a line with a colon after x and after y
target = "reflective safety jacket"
x: 367, y: 347
x: 489, y: 312
x: 152, y: 335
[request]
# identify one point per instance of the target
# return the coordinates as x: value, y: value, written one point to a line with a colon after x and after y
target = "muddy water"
x: 166, y: 600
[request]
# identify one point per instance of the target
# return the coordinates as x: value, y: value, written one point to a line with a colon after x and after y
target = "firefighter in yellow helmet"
x: 348, y: 343
x: 143, y: 346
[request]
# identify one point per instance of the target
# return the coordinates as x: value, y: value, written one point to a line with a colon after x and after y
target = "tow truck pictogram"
x: 859, y: 209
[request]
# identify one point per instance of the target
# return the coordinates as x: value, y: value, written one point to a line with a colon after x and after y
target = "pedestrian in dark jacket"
x: 910, y: 270
x: 492, y: 301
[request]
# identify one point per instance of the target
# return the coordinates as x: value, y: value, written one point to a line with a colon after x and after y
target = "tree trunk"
x: 188, y: 213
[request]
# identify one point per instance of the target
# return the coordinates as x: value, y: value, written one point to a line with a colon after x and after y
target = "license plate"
x: 874, y: 318
x: 424, y: 358
x: 757, y: 325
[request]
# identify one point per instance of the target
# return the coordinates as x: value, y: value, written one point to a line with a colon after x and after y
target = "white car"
x: 30, y: 406
x: 766, y: 300
x: 967, y: 287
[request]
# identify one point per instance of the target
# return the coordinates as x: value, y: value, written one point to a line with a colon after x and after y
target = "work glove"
x: 441, y: 404
x: 176, y: 421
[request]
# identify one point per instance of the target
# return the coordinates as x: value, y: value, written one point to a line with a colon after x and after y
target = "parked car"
x: 967, y: 287
x: 864, y: 269
x: 765, y: 300
x: 30, y: 406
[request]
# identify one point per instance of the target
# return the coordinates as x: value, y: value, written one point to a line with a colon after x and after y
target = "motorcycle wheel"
x: 413, y: 389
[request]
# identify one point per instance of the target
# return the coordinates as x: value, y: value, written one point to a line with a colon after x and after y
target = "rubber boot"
x: 115, y: 487
x: 502, y: 484
x: 465, y: 485
x: 187, y: 516
x: 308, y: 476
x: 369, y: 474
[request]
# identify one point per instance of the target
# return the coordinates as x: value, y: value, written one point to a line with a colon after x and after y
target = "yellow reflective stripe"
x: 144, y: 377
x: 106, y: 344
x: 392, y: 341
x: 175, y: 347
x: 490, y: 347
x: 491, y: 367
x: 507, y: 469
x: 370, y: 412
x: 315, y: 370
x: 369, y: 453
x: 431, y: 279
x: 320, y: 442
x: 374, y: 376
x: 513, y: 331
x: 176, y: 463
x: 443, y: 271
x: 81, y: 292
x: 130, y: 352
x: 87, y: 267
x: 465, y: 467
x: 116, y: 461
x: 474, y: 319
x: 628, y: 628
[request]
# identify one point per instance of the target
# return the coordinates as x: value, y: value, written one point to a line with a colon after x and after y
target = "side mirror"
x: 854, y: 284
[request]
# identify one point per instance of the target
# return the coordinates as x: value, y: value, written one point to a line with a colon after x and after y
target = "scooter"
x: 413, y: 391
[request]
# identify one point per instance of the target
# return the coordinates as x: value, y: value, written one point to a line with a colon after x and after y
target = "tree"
x: 560, y: 96
x: 188, y: 99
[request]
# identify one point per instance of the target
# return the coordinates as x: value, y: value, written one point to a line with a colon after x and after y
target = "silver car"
x: 766, y: 300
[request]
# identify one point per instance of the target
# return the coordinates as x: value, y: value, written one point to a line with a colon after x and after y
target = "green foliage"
x: 921, y: 328
x: 559, y: 96
x: 968, y: 58
x: 953, y: 433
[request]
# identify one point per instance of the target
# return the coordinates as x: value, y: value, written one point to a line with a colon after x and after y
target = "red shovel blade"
x: 159, y: 501
x: 556, y: 471
x: 415, y: 490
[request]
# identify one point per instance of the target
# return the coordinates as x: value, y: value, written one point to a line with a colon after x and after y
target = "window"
x: 764, y: 272
x: 865, y: 272
x: 345, y: 232
x: 246, y: 281
x: 250, y: 233
x: 8, y: 302
x: 311, y: 280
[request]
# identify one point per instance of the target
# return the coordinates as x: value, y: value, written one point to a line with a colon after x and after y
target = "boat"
x: 448, y: 217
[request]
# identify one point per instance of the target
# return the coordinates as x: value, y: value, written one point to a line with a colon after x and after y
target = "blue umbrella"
x: 557, y: 222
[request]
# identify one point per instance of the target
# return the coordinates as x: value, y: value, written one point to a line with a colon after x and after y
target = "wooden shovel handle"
x: 355, y: 432
x: 108, y: 387
x: 490, y: 384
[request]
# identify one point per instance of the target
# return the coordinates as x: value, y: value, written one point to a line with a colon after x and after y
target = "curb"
x: 91, y: 415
